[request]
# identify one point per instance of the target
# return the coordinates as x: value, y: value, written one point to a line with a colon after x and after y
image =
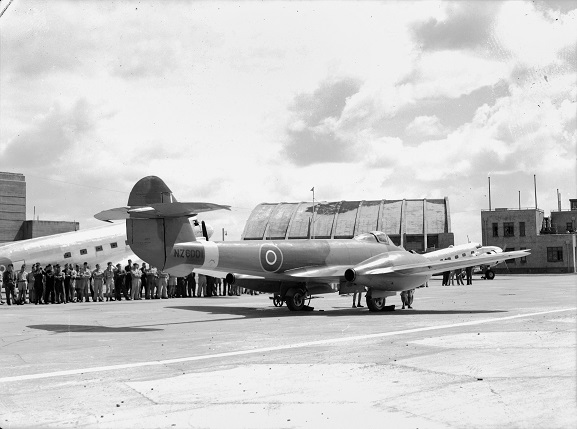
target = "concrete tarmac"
x: 496, y: 354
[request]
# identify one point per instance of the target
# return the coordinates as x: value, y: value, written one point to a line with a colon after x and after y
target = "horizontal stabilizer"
x: 158, y: 211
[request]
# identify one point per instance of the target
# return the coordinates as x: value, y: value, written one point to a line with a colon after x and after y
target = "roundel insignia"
x: 270, y: 257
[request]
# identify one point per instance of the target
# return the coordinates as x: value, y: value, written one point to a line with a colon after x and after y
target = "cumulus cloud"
x: 49, y: 138
x: 426, y: 126
x: 466, y: 25
x: 312, y: 134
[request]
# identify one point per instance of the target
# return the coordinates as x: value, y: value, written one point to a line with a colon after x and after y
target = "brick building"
x: 552, y: 240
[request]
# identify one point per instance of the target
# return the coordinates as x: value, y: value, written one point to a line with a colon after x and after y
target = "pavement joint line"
x: 270, y: 349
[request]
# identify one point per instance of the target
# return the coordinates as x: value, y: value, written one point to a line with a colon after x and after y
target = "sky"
x: 241, y: 103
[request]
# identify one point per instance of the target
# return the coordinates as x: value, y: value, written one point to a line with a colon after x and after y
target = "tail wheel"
x: 297, y: 301
x: 375, y: 304
x: 489, y: 274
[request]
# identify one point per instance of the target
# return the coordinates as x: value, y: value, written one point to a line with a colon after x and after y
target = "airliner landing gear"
x: 489, y: 274
x: 296, y: 300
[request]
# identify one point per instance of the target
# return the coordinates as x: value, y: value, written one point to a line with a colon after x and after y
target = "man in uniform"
x: 119, y: 285
x: 22, y: 279
x: 49, y: 289
x: 38, y: 284
x: 59, y: 285
x: 109, y: 282
x: 9, y: 280
x: 128, y: 277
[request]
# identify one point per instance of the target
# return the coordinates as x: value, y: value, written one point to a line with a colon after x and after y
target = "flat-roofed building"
x: 12, y: 206
x: 416, y: 224
x: 553, y: 245
x: 13, y: 223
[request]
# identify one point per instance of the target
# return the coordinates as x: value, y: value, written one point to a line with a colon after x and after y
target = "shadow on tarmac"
x: 254, y: 313
x: 62, y: 329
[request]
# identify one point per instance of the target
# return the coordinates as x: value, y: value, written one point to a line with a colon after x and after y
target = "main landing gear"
x: 298, y: 300
x: 377, y: 303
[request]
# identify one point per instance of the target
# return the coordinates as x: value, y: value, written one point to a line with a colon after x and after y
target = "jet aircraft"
x: 159, y: 233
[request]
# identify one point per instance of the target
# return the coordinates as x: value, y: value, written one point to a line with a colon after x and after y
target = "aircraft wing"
x: 336, y: 272
x: 434, y: 267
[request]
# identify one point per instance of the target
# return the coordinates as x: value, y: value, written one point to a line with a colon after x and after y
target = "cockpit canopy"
x: 374, y: 236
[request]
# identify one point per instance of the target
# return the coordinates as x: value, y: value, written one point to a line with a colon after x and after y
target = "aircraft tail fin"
x: 155, y: 221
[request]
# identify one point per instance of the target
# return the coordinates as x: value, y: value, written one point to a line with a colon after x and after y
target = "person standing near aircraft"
x: 407, y: 298
x: 191, y: 284
x: 78, y: 283
x: 38, y: 284
x: 66, y: 272
x: 59, y: 285
x: 360, y: 294
x: 22, y: 281
x: 162, y: 284
x: 72, y: 287
x: 49, y: 285
x: 150, y: 274
x: 128, y: 277
x: 97, y: 284
x: 136, y: 282
x: 143, y: 271
x: 171, y: 286
x: 459, y: 276
x: 469, y: 273
x: 9, y: 279
x: 119, y: 288
x: 83, y: 280
x: 108, y: 277
x: 201, y: 285
x: 30, y: 279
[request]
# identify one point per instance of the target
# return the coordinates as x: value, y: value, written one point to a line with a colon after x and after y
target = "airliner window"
x: 113, y: 245
x: 99, y: 248
x: 67, y: 255
x: 83, y: 251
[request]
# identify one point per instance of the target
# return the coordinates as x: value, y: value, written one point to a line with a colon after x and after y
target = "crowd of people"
x: 449, y: 277
x: 54, y: 284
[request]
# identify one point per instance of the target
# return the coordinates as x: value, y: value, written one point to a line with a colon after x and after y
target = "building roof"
x: 345, y: 219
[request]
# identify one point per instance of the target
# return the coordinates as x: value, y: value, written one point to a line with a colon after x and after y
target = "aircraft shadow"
x: 61, y: 329
x: 267, y: 312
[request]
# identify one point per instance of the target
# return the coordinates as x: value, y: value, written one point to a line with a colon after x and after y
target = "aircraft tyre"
x: 375, y: 304
x: 277, y: 301
x: 296, y: 301
x: 489, y: 274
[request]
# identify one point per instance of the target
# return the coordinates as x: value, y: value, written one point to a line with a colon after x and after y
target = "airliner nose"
x: 4, y: 263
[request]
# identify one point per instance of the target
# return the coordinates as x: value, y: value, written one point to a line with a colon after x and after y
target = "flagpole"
x: 313, y: 221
